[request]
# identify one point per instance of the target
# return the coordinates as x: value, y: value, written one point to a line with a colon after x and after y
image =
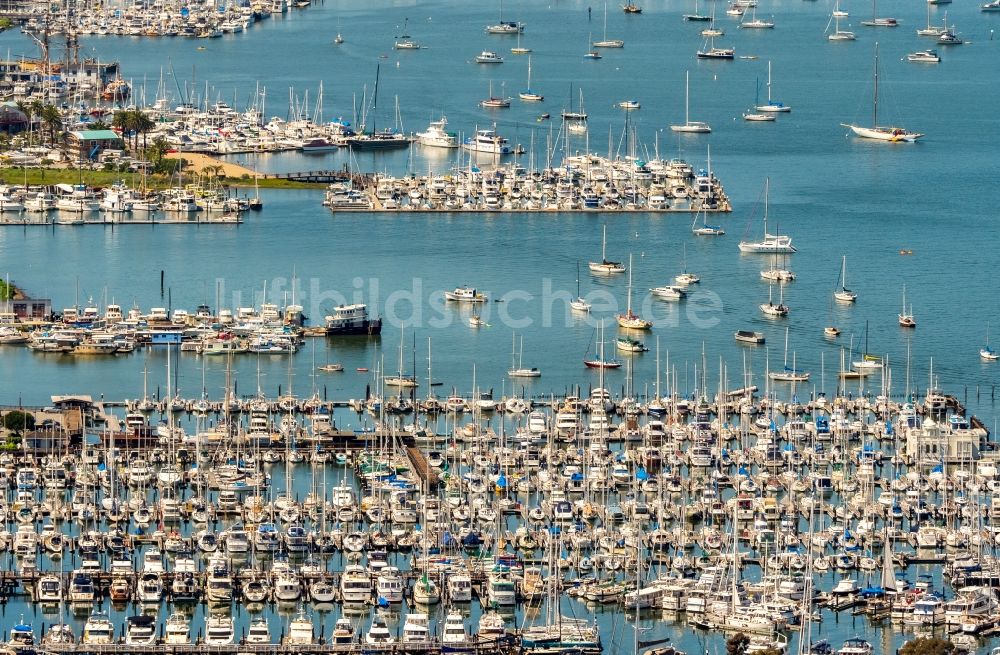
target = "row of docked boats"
x: 581, y: 183
x: 177, y: 21
x: 77, y: 204
x: 219, y: 630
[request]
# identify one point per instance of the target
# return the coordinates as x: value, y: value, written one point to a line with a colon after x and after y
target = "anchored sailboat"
x: 893, y: 134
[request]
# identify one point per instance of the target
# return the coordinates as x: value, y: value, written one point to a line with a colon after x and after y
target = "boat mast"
x: 875, y: 98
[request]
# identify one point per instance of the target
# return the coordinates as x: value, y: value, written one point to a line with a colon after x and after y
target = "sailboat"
x: 906, y: 318
x: 400, y: 380
x: 831, y: 331
x: 772, y: 243
x: 893, y: 134
x: 986, y: 352
x: 711, y: 52
x: 754, y: 115
x: 697, y: 127
x: 777, y: 272
x: 712, y: 29
x: 605, y: 266
x: 528, y: 95
x: 592, y: 53
x: 495, y: 102
x: 838, y: 34
x: 386, y: 138
x: 580, y: 115
x: 598, y: 360
x: 579, y: 304
x: 696, y: 16
x: 404, y: 41
x: 630, y: 320
x: 519, y: 49
x: 931, y: 30
x: 772, y: 106
x: 504, y: 26
x: 877, y: 21
x: 788, y: 374
x: 868, y: 363
x: 518, y: 370
x: 705, y: 230
x: 843, y: 294
x: 606, y: 42
x: 756, y: 23
x: 770, y: 309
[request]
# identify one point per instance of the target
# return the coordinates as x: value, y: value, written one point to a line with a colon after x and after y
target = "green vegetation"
x: 18, y: 421
x: 105, y: 178
x: 6, y: 290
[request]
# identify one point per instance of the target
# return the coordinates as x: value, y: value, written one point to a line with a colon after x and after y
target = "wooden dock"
x: 428, y: 475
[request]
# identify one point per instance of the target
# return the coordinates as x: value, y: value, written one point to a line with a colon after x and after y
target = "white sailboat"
x: 772, y: 243
x: 788, y: 374
x: 770, y: 309
x: 605, y: 42
x: 630, y: 320
x: 772, y: 106
x: 754, y: 115
x: 906, y: 317
x: 879, y: 21
x: 517, y: 369
x: 695, y: 127
x: 579, y: 304
x: 843, y: 294
x: 528, y: 95
x: 605, y: 266
x: 839, y: 34
x: 875, y: 132
x: 756, y: 23
x: 986, y: 352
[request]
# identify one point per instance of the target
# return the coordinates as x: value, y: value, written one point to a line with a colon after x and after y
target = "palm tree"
x: 143, y: 125
x: 52, y: 119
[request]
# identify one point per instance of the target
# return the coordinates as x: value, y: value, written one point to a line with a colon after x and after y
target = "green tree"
x: 18, y: 421
x: 927, y: 646
x: 6, y: 290
x: 143, y: 125
x: 52, y: 120
x: 124, y: 121
x: 157, y: 150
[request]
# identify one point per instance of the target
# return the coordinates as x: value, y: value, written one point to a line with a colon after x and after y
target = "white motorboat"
x: 465, y: 294
x: 924, y: 57
x: 378, y: 633
x: 435, y: 136
x: 487, y: 141
x: 669, y: 292
x: 219, y: 630
x: 177, y: 630
x: 488, y: 57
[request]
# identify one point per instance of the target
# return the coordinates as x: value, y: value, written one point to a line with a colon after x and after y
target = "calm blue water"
x: 835, y: 195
